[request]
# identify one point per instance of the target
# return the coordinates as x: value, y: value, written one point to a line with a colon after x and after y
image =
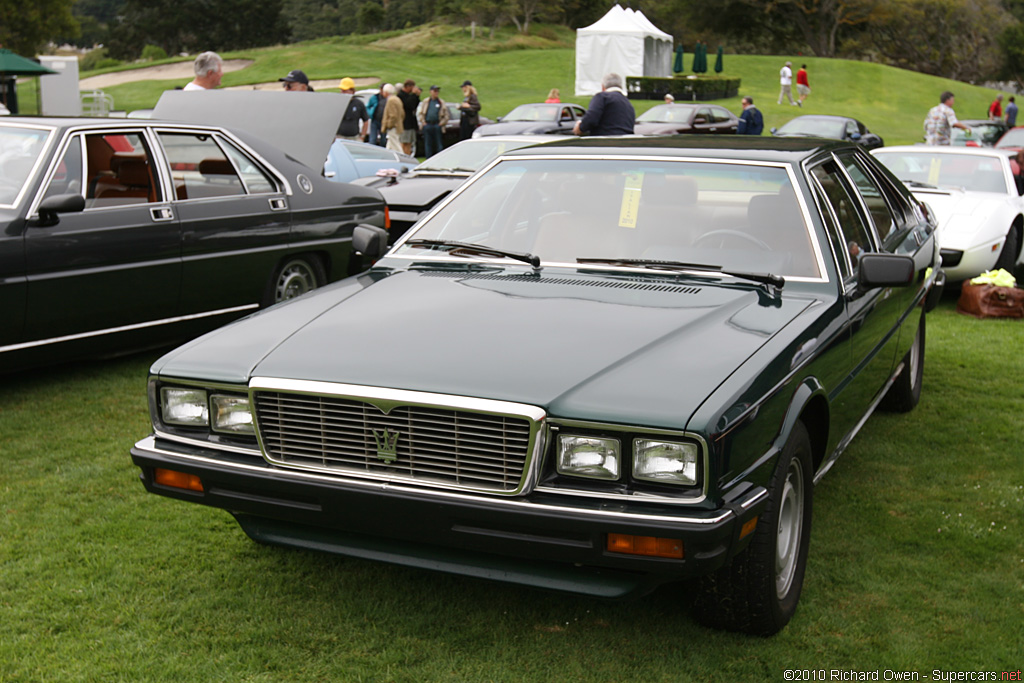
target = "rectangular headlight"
x: 665, y: 462
x: 588, y: 456
x: 186, y: 407
x: 231, y: 414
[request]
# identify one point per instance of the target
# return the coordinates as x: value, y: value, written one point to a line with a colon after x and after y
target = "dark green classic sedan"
x: 599, y: 366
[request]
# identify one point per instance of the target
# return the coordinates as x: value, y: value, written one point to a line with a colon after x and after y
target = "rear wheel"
x: 296, y: 276
x: 905, y: 391
x: 758, y: 591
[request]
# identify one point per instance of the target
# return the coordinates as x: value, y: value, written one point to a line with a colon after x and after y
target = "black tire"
x: 905, y: 393
x: 758, y: 590
x: 1011, y: 248
x: 296, y: 275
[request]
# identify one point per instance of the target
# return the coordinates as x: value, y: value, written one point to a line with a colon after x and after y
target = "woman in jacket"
x: 469, y: 110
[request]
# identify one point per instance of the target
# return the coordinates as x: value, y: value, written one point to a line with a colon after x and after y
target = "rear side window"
x: 119, y: 169
x: 199, y: 167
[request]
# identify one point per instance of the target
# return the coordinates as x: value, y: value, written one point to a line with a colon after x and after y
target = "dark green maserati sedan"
x: 599, y: 366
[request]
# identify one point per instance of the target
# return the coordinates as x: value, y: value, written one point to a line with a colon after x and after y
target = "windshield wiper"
x: 531, y: 259
x: 776, y: 281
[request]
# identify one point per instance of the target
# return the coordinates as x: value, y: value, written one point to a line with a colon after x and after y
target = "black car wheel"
x: 296, y: 276
x: 1008, y: 256
x: 905, y: 392
x: 758, y: 590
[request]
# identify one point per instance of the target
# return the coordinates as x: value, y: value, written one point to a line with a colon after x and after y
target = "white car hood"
x: 967, y: 217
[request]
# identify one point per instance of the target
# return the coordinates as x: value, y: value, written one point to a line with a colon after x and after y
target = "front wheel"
x: 1008, y: 256
x: 758, y: 590
x: 296, y: 276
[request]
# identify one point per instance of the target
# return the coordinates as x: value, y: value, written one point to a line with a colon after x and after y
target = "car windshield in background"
x: 534, y: 112
x: 978, y: 134
x: 1013, y: 138
x: 820, y: 128
x: 470, y: 155
x: 19, y: 150
x: 731, y: 216
x: 970, y: 172
x: 666, y: 113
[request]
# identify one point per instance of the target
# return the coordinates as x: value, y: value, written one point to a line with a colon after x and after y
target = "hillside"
x: 511, y: 69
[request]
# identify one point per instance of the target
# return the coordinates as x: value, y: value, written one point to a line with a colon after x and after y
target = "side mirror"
x: 370, y: 241
x: 855, y: 136
x: 885, y: 270
x: 59, y: 203
x: 700, y: 119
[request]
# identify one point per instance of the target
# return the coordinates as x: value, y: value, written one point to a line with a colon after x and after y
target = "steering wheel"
x: 723, y: 234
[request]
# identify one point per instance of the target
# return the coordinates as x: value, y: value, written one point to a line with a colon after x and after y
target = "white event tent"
x: 625, y: 42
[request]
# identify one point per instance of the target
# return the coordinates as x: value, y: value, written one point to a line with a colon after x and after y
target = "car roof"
x: 944, y: 149
x: 741, y: 148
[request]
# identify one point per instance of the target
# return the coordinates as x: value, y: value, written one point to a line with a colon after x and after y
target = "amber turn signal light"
x: 649, y: 546
x: 748, y: 527
x: 177, y: 480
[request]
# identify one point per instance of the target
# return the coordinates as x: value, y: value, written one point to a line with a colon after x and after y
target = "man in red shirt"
x: 995, y: 110
x: 803, y: 88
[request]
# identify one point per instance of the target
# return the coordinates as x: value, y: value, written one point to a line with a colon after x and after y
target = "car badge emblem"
x: 305, y: 184
x: 387, y: 445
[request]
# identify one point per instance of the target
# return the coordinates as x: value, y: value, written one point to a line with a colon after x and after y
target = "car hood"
x: 419, y: 191
x: 518, y: 128
x: 579, y: 346
x: 962, y: 213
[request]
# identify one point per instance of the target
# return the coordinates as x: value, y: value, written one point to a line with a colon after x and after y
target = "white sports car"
x: 976, y: 200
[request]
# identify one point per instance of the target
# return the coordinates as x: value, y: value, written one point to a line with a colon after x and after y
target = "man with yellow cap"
x: 355, y: 112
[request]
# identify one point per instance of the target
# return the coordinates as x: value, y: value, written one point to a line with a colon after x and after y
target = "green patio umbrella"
x: 718, y: 61
x: 11, y: 65
x: 678, y: 66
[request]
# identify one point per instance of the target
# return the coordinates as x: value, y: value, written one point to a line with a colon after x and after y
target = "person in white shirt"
x: 786, y: 81
x: 209, y: 68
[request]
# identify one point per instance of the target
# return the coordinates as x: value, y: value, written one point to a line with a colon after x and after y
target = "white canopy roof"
x: 625, y: 42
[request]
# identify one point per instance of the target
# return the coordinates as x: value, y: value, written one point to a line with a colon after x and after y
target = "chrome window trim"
x: 148, y: 445
x: 790, y: 172
x: 555, y: 423
x: 126, y: 328
x: 385, y: 400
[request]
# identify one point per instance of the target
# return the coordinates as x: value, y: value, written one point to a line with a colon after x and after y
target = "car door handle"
x: 161, y: 213
x: 278, y: 204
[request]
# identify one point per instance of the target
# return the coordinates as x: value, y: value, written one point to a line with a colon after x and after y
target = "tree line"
x: 969, y: 40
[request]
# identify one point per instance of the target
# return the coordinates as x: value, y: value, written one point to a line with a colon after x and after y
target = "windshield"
x: 534, y: 112
x: 471, y: 155
x: 728, y: 215
x: 978, y: 173
x: 1013, y: 138
x: 666, y: 113
x: 19, y: 150
x: 819, y: 128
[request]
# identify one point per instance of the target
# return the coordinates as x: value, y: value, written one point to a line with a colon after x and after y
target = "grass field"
x: 510, y: 70
x: 916, y: 561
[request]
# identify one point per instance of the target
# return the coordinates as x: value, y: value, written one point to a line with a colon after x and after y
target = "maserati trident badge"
x: 387, y: 445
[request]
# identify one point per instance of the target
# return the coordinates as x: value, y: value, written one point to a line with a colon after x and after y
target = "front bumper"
x: 548, y: 541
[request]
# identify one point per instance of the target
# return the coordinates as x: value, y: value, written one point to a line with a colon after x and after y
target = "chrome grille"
x: 435, y: 445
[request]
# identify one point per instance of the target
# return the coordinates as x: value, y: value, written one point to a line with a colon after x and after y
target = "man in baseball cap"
x: 296, y: 81
x: 355, y: 112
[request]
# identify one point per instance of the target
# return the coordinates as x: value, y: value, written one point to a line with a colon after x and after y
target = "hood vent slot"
x: 638, y: 284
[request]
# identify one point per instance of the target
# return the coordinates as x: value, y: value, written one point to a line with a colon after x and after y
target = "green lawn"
x: 916, y: 561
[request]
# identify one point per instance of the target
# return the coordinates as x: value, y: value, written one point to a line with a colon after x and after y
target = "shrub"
x: 153, y: 52
x: 97, y: 59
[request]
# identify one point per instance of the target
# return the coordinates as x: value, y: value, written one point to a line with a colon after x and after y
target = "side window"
x: 854, y: 238
x: 199, y: 167
x: 720, y: 115
x: 852, y: 129
x: 704, y: 113
x: 68, y: 177
x: 872, y: 194
x: 119, y: 170
x: 256, y: 179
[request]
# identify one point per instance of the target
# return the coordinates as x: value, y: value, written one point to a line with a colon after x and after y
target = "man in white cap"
x: 786, y: 83
x: 350, y: 128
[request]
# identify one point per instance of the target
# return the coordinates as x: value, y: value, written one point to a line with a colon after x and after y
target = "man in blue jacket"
x: 751, y: 121
x: 610, y: 111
